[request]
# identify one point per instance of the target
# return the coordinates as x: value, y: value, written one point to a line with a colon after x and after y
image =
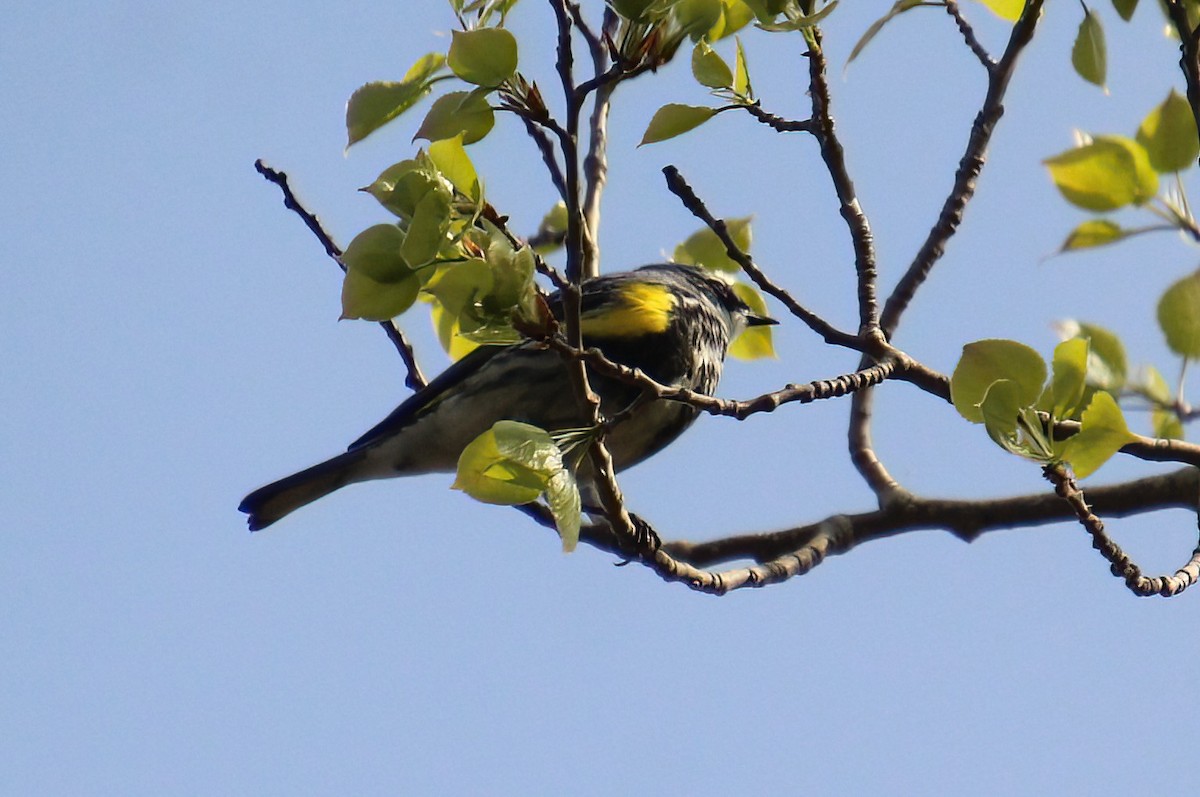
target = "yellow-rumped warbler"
x: 671, y: 321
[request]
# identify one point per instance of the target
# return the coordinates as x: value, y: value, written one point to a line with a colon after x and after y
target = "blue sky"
x: 171, y: 339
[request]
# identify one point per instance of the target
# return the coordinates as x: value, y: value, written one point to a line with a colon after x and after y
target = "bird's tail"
x: 268, y: 504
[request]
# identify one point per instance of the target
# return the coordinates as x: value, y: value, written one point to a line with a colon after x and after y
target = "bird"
x: 673, y: 322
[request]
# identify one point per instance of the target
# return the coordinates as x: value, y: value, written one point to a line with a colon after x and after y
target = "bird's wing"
x: 412, y: 408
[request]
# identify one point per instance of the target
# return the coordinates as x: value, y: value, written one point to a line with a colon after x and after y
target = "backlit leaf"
x: 375, y: 104
x: 486, y: 56
x: 1169, y: 135
x: 987, y: 361
x: 755, y: 342
x: 459, y: 112
x: 1088, y: 55
x: 1179, y: 316
x: 674, y: 119
x: 1102, y: 433
x: 1109, y: 173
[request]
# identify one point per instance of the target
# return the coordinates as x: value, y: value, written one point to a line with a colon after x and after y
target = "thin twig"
x: 850, y: 209
x: 968, y: 34
x: 1121, y: 564
x: 413, y: 379
x: 680, y: 188
x: 778, y: 123
x: 969, y: 168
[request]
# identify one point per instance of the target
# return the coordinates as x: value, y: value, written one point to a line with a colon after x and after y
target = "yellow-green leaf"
x: 1109, y: 173
x: 1125, y: 8
x: 1069, y: 378
x: 704, y: 248
x: 365, y: 298
x: 465, y: 113
x: 987, y: 361
x: 674, y: 119
x: 427, y: 231
x: 709, y: 68
x: 696, y: 17
x: 452, y: 161
x: 735, y: 15
x: 899, y: 7
x: 1179, y: 316
x: 741, y: 74
x: 1169, y: 135
x: 487, y: 471
x: 1005, y: 9
x: 486, y: 56
x: 375, y: 253
x: 1167, y: 424
x: 797, y: 21
x: 755, y: 342
x: 1094, y: 232
x: 1088, y: 55
x: 1102, y: 433
x: 1154, y: 387
x: 375, y: 104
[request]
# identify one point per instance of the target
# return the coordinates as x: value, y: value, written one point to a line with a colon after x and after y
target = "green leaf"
x: 741, y: 75
x: 1125, y: 8
x: 363, y: 297
x: 1179, y: 316
x: 1102, y: 433
x: 1069, y: 379
x: 1088, y: 55
x: 735, y: 15
x: 459, y: 112
x: 376, y: 104
x: 403, y: 185
x: 375, y: 253
x: 696, y: 17
x: 486, y: 57
x: 1095, y: 232
x: 704, y: 248
x: 1167, y: 424
x: 1107, y: 364
x: 427, y: 231
x: 1169, y: 135
x: 987, y: 361
x: 766, y: 10
x: 797, y: 21
x: 1154, y: 387
x: 491, y: 468
x: 755, y: 342
x: 513, y: 463
x: 1109, y: 173
x: 632, y: 10
x: 709, y: 68
x: 1005, y: 9
x: 898, y: 8
x: 455, y: 165
x: 674, y: 119
x: 562, y: 496
x: 1000, y: 408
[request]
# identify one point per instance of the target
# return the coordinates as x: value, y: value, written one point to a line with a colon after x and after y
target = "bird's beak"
x: 759, y: 320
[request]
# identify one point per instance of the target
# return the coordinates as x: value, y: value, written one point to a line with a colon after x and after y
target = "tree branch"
x: 969, y: 168
x: 680, y: 188
x: 1122, y: 566
x: 414, y: 379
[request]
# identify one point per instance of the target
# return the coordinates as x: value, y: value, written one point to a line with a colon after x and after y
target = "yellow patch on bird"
x: 639, y: 309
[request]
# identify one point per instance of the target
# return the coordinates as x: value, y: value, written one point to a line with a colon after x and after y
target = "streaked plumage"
x: 672, y: 322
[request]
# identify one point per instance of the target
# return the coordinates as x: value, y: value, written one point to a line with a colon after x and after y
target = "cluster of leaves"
x: 1105, y: 173
x: 729, y: 84
x: 444, y: 245
x: 1108, y: 173
x: 1002, y: 384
